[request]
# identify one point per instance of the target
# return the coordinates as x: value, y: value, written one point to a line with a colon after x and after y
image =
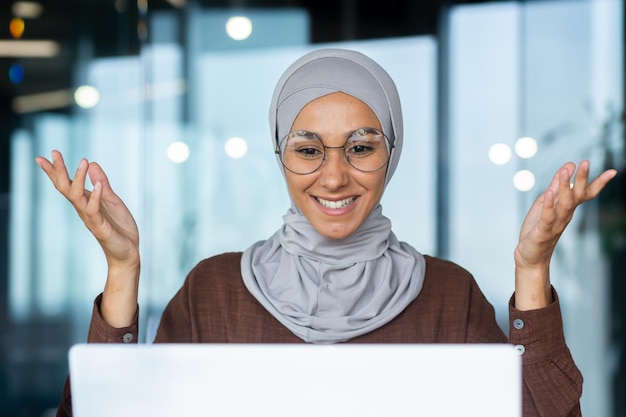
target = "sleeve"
x: 552, y: 384
x: 99, y: 332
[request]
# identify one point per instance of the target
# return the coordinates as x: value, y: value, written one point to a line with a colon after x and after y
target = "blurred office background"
x: 171, y: 97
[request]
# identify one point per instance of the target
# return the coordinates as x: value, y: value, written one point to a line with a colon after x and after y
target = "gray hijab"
x: 332, y: 290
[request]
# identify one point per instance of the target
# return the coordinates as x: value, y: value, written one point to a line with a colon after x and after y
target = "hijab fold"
x: 332, y: 290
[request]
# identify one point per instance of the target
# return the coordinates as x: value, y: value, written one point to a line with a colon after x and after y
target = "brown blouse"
x: 213, y: 306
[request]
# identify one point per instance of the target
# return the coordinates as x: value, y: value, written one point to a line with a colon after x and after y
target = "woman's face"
x: 337, y: 198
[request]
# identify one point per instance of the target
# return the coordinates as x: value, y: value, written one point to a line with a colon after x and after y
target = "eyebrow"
x: 347, y: 134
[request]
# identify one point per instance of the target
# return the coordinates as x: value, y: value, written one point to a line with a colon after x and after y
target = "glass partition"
x: 181, y: 129
x: 572, y: 103
x: 532, y: 86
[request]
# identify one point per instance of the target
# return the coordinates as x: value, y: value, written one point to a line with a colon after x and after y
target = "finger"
x: 55, y: 170
x: 599, y: 183
x: 77, y: 188
x: 47, y: 166
x: 565, y: 198
x: 555, y: 184
x: 43, y: 163
x: 548, y: 214
x: 97, y: 174
x: 93, y: 205
x: 61, y: 178
x: 92, y: 209
x: 581, y: 181
x: 556, y: 180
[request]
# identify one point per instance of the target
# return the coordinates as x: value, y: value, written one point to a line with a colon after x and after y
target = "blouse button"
x: 518, y: 324
x: 127, y: 338
x: 520, y: 349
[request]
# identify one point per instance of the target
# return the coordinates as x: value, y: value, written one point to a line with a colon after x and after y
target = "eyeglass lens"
x: 302, y: 152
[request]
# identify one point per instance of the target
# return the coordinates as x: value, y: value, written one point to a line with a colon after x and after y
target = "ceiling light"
x: 526, y: 147
x: 239, y: 28
x: 236, y: 147
x: 27, y: 9
x: 86, y: 96
x: 28, y: 49
x: 42, y: 101
x: 500, y: 153
x: 178, y: 152
x: 524, y: 180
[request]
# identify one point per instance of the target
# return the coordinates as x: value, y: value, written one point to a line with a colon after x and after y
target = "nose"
x: 334, y: 172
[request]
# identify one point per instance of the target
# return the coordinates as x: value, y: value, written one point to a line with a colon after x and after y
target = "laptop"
x: 371, y: 380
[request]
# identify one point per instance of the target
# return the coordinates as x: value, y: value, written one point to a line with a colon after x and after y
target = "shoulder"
x: 445, y: 269
x: 222, y: 262
x: 444, y: 275
x: 214, y: 284
x: 222, y: 268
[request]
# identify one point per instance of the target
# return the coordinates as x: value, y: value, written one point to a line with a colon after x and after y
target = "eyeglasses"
x: 366, y: 149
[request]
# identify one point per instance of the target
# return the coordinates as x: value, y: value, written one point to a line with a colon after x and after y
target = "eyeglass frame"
x: 278, y: 152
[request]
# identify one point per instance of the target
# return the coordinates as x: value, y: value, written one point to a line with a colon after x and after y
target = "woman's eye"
x: 308, y: 152
x: 359, y: 149
x: 305, y: 145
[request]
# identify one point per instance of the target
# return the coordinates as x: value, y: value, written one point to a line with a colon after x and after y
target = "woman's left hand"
x: 543, y: 226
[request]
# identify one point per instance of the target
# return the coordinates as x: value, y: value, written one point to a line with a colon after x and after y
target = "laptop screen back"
x: 342, y: 380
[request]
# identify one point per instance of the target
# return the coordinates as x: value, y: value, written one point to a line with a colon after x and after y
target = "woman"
x: 335, y: 272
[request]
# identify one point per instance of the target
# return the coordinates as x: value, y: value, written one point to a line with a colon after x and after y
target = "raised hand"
x: 109, y: 220
x: 543, y: 226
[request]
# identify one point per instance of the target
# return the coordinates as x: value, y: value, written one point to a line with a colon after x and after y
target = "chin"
x: 335, y: 234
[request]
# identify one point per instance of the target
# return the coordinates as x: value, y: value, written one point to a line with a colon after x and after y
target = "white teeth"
x: 336, y: 204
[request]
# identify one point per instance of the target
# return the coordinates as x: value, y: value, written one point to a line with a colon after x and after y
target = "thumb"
x: 96, y: 174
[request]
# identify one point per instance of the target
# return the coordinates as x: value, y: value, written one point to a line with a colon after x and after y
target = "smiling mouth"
x: 336, y: 204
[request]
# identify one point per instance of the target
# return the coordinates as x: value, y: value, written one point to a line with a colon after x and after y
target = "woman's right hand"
x: 109, y: 220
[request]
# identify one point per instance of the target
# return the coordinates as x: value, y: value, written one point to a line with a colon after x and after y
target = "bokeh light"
x: 121, y: 6
x: 236, y: 147
x: 27, y: 9
x: 178, y: 3
x: 142, y: 31
x: 239, y: 28
x: 16, y: 73
x: 524, y: 180
x: 86, y: 96
x: 16, y: 27
x: 178, y: 152
x: 526, y: 147
x: 142, y: 6
x: 500, y: 153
